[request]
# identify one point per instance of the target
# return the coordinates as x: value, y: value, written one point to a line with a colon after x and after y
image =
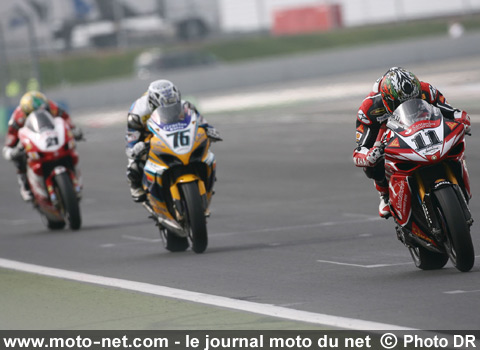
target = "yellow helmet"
x: 32, y: 101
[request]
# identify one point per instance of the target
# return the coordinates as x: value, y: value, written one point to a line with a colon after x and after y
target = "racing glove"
x: 464, y: 118
x: 13, y: 153
x: 77, y: 133
x: 364, y: 157
x: 212, y: 133
x: 374, y: 155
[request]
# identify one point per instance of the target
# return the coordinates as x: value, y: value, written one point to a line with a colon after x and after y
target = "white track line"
x: 241, y: 305
x: 460, y: 291
x: 362, y: 266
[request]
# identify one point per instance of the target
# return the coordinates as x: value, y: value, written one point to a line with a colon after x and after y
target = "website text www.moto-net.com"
x: 207, y: 340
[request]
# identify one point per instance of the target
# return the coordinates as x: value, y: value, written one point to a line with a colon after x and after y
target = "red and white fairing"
x: 48, y: 140
x: 418, y: 136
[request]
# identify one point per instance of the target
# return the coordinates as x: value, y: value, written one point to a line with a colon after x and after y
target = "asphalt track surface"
x: 293, y: 223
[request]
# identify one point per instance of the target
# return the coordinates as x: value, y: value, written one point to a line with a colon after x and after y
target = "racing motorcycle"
x: 51, y: 160
x: 429, y: 188
x: 179, y: 177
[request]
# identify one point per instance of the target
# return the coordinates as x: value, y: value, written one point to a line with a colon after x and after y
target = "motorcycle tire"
x: 51, y: 224
x: 55, y: 225
x: 173, y: 243
x: 195, y: 216
x: 68, y: 201
x: 458, y: 241
x: 425, y: 259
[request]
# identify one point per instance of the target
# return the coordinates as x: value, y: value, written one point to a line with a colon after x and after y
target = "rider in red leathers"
x: 29, y: 103
x: 397, y: 85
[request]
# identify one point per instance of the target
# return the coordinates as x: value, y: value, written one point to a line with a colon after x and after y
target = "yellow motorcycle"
x: 179, y: 177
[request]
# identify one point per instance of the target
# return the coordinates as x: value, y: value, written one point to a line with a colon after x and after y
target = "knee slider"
x: 135, y: 173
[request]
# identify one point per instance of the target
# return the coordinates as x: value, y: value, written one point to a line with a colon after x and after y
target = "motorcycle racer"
x: 397, y: 85
x: 30, y: 102
x: 166, y: 97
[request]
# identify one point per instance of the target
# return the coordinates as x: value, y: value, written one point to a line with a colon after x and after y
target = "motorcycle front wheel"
x: 458, y: 241
x: 195, y: 216
x: 68, y: 201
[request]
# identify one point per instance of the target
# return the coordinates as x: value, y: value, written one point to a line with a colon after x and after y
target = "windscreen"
x: 412, y: 111
x: 39, y: 121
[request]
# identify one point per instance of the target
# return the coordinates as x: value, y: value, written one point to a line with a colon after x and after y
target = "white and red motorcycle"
x: 51, y: 169
x: 429, y: 186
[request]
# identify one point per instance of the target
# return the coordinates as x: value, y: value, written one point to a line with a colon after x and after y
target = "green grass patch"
x: 265, y: 46
x: 87, y: 67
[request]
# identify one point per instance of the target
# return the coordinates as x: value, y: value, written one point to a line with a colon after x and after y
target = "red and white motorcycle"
x: 429, y: 187
x: 51, y: 169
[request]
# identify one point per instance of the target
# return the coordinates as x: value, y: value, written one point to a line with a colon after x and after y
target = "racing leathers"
x: 13, y: 150
x: 371, y: 115
x: 137, y: 146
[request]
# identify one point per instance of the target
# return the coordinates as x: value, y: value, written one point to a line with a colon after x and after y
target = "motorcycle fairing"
x: 409, y: 148
x: 50, y: 149
x: 178, y: 137
x: 466, y: 178
x: 422, y: 141
x: 37, y: 184
x: 179, y: 153
x: 417, y: 143
x: 52, y: 145
x: 420, y: 234
x: 47, y: 140
x: 400, y: 198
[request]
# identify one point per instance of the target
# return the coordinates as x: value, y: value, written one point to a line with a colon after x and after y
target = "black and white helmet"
x: 397, y: 86
x: 166, y: 98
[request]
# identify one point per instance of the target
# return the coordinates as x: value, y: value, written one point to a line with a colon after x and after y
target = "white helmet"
x: 166, y: 98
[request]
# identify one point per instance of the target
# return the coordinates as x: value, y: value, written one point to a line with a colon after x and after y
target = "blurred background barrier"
x: 3, y: 120
x: 307, y: 19
x: 61, y: 46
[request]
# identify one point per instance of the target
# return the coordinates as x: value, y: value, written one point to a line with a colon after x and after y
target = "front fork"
x: 51, y: 188
x: 410, y: 231
x: 175, y: 192
x: 428, y: 205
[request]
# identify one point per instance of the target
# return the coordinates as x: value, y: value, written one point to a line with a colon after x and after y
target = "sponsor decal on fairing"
x: 428, y: 124
x: 399, y: 198
x: 174, y: 127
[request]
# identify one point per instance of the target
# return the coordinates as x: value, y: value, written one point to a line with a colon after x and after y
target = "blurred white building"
x: 82, y: 23
x: 248, y: 15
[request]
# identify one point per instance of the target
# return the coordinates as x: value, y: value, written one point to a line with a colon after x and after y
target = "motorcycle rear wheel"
x: 52, y: 225
x: 458, y: 241
x: 195, y: 216
x: 55, y: 225
x: 68, y: 201
x: 425, y: 259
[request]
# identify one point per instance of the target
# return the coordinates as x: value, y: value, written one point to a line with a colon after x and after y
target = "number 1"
x: 420, y: 143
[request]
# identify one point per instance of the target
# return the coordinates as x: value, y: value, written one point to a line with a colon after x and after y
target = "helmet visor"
x: 390, y: 104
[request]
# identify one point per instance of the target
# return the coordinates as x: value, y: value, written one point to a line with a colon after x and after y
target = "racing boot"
x: 25, y: 191
x: 138, y: 194
x: 134, y: 178
x: 383, y: 208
